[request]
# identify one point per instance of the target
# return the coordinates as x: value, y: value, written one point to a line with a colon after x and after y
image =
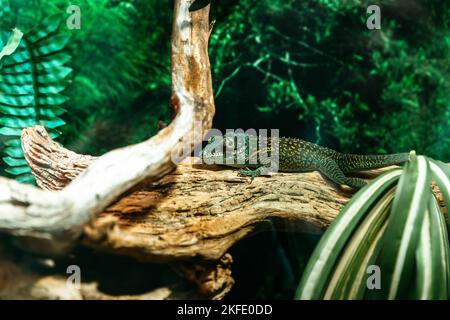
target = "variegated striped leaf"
x: 404, y: 229
x: 328, y: 250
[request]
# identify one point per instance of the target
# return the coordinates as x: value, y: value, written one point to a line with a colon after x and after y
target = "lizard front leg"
x: 247, y: 172
x: 267, y: 167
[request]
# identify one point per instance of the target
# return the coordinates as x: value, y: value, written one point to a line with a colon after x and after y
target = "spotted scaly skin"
x: 294, y: 155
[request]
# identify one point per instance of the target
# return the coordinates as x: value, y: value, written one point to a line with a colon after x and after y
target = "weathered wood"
x: 53, y: 221
x: 52, y: 166
x: 199, y: 212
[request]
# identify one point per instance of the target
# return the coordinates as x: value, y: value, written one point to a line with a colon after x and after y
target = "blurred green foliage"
x: 320, y: 74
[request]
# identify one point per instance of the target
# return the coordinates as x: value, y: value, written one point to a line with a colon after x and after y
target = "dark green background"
x: 323, y: 76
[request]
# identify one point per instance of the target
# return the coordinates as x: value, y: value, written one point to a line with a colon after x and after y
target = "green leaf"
x: 17, y: 79
x: 50, y: 112
x: 18, y: 68
x: 404, y: 229
x: 55, y: 60
x: 17, y: 122
x: 5, y: 131
x: 17, y: 57
x: 14, y: 152
x: 13, y: 162
x: 444, y: 234
x: 51, y: 45
x: 47, y: 27
x: 15, y: 171
x: 16, y: 90
x: 348, y: 280
x: 52, y: 99
x: 54, y: 75
x: 52, y: 88
x: 432, y: 256
x: 54, y: 123
x: 13, y: 143
x: 16, y: 101
x: 26, y: 178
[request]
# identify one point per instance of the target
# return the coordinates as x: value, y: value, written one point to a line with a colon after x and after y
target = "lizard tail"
x: 355, y: 162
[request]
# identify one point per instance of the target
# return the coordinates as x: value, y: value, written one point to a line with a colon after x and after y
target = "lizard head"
x: 232, y: 149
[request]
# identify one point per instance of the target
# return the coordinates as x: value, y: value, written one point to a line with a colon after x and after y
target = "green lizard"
x: 256, y: 154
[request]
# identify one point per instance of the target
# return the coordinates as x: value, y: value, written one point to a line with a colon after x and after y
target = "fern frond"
x: 31, y: 82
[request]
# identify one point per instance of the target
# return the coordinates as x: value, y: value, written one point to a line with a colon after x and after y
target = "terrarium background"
x: 309, y: 68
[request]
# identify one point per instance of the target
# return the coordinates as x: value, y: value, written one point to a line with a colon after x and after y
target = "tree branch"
x: 56, y: 219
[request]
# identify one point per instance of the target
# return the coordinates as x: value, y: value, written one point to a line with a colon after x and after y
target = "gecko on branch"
x: 258, y: 155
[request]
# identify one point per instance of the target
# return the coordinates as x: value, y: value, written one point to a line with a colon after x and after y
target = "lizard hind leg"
x: 331, y: 170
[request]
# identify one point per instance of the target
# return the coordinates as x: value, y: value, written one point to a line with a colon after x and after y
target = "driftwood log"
x: 194, y: 213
